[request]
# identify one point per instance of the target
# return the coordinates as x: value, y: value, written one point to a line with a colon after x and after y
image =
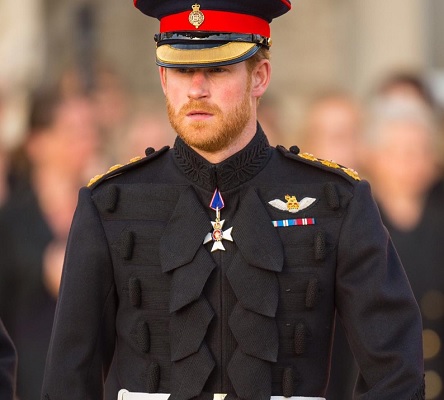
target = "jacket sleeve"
x: 83, y: 336
x: 377, y: 306
x: 8, y: 365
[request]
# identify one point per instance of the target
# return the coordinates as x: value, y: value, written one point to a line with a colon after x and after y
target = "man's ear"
x: 163, y: 78
x: 260, y: 78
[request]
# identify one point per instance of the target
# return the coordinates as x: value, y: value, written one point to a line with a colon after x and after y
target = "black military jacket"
x: 254, y: 320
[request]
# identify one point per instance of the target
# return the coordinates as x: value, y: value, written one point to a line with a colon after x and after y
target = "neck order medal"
x: 217, y: 203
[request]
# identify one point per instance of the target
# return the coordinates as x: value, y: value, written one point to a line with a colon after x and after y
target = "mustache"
x: 203, y: 106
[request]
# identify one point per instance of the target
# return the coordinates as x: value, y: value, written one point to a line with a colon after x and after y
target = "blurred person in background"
x: 4, y: 186
x: 4, y: 161
x: 415, y: 88
x: 406, y: 85
x: 34, y: 225
x: 270, y: 117
x: 127, y: 123
x: 402, y: 164
x: 332, y: 128
x: 147, y: 126
x: 22, y: 52
x: 8, y: 365
x: 401, y: 160
x: 113, y: 110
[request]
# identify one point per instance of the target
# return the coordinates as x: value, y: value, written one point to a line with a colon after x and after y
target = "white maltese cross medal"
x: 218, y: 234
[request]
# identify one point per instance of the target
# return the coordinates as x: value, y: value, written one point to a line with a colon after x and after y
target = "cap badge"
x: 292, y: 205
x: 196, y: 16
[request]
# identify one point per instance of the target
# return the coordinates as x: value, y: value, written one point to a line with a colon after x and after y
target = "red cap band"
x: 286, y: 2
x: 217, y: 21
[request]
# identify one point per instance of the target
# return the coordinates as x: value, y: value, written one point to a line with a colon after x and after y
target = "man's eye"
x: 217, y: 70
x: 185, y: 70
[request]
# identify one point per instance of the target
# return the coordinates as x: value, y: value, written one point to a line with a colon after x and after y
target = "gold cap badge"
x: 196, y: 16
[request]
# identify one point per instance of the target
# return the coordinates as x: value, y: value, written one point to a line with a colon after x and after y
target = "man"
x: 215, y: 268
x: 8, y: 365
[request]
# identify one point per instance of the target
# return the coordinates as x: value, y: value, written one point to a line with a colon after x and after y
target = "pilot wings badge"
x: 292, y: 205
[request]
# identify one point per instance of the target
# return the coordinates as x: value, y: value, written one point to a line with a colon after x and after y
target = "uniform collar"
x: 230, y: 173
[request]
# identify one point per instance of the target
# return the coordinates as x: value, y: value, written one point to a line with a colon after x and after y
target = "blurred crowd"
x: 78, y: 128
x: 72, y: 135
x: 394, y: 140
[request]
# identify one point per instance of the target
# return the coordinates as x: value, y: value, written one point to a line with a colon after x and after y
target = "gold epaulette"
x: 331, y: 164
x: 294, y: 154
x: 92, y: 181
x: 120, y: 168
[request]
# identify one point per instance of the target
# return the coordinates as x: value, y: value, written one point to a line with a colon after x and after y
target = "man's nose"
x: 198, y: 85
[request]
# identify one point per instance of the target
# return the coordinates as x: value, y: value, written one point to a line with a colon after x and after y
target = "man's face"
x: 405, y: 159
x: 208, y: 107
